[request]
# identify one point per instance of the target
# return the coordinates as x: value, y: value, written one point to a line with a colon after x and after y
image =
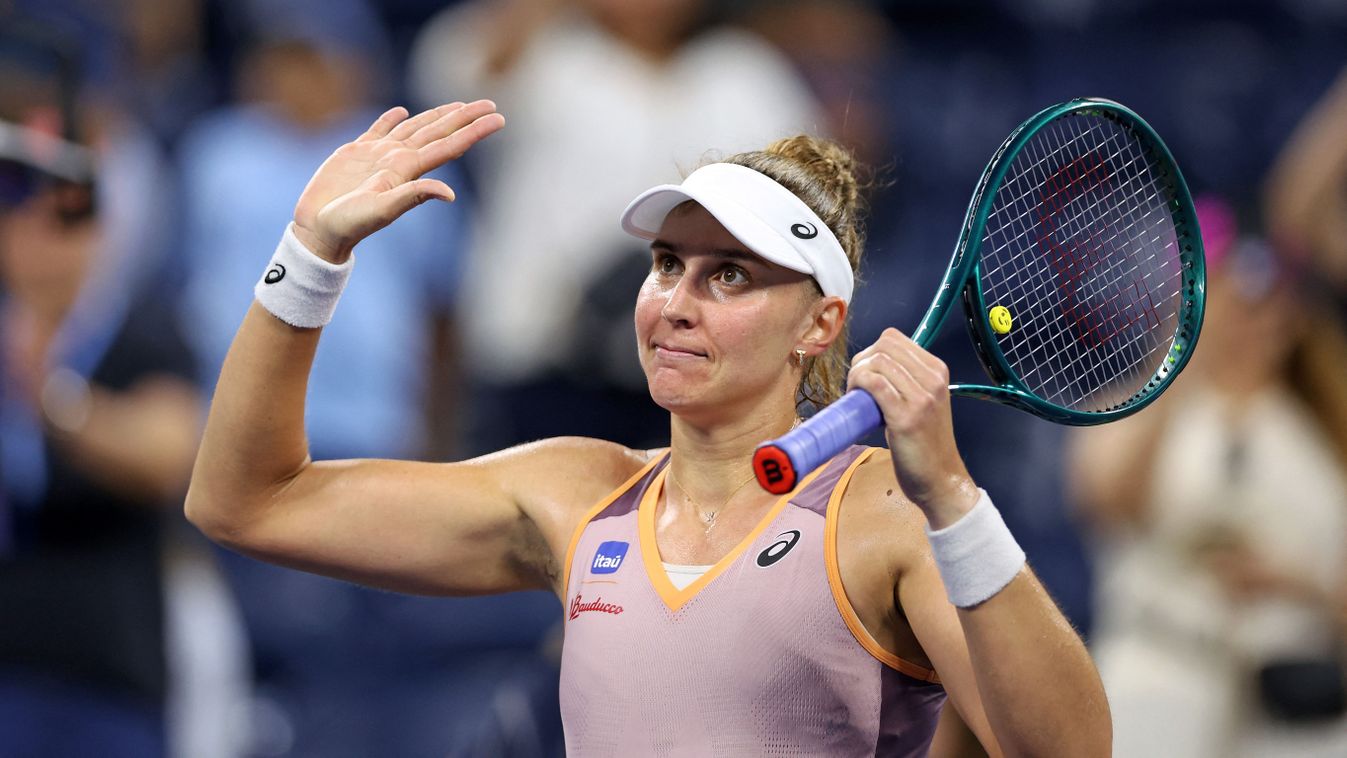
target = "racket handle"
x: 781, y: 463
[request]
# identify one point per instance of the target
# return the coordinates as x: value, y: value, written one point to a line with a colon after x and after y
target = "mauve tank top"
x: 763, y: 655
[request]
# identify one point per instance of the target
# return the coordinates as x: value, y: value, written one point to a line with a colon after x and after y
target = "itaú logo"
x: 608, y: 558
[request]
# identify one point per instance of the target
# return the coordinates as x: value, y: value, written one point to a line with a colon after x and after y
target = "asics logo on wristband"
x: 313, y: 285
x: 804, y: 231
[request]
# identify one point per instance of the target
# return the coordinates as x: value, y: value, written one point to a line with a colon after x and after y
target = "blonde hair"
x: 824, y: 175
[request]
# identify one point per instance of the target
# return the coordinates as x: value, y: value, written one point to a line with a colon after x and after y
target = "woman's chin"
x: 677, y: 395
x: 675, y: 402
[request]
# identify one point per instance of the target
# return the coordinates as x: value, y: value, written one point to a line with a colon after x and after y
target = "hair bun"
x: 829, y: 163
x: 824, y: 175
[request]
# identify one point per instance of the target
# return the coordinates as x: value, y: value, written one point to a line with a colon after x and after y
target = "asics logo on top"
x: 777, y: 550
x: 608, y: 558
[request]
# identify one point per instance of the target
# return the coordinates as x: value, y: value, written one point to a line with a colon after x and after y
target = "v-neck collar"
x: 673, y: 597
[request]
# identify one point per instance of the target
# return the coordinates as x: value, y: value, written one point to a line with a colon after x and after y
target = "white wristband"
x: 300, y: 288
x: 977, y: 555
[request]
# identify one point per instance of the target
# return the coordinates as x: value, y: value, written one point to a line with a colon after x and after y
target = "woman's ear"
x: 827, y: 316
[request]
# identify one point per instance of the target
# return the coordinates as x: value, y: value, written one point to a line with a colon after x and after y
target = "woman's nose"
x: 681, y: 306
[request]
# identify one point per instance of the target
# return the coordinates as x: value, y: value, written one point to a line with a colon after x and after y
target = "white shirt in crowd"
x: 590, y: 123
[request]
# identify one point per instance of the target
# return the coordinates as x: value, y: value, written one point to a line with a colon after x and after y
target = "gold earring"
x: 799, y: 357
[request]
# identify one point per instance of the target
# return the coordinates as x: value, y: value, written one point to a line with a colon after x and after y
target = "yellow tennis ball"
x: 999, y: 317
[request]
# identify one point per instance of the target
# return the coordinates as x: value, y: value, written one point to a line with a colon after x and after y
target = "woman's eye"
x: 733, y: 275
x: 666, y: 264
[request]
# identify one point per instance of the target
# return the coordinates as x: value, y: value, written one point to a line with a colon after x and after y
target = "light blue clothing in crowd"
x: 242, y: 171
x: 439, y: 667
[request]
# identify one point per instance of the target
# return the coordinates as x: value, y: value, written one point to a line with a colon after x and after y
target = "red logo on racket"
x: 1080, y: 257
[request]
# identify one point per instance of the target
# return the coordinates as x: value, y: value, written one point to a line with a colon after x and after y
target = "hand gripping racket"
x: 1082, y: 278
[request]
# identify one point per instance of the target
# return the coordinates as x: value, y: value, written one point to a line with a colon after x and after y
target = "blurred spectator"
x: 1307, y: 193
x: 846, y: 50
x: 603, y: 96
x: 343, y: 670
x: 1222, y: 517
x: 98, y: 426
x: 164, y: 77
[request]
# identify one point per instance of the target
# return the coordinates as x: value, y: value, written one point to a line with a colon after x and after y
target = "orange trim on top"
x: 673, y: 597
x: 596, y: 510
x: 844, y: 606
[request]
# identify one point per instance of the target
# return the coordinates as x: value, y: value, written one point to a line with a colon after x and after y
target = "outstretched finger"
x: 450, y: 122
x: 410, y: 126
x: 383, y: 124
x: 443, y: 150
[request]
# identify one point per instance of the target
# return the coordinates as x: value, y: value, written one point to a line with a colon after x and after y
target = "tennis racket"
x: 1081, y: 273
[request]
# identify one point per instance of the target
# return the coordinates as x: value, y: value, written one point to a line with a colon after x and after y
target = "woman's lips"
x: 676, y: 353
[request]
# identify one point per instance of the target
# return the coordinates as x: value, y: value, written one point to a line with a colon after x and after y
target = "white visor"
x: 766, y: 217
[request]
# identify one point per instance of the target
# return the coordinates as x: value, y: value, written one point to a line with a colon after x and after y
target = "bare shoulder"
x: 879, y: 540
x: 555, y: 481
x: 876, y: 511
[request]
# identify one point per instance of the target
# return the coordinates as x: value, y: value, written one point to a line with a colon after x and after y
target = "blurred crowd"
x: 150, y: 156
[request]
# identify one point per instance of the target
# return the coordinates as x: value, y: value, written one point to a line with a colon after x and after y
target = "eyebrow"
x: 720, y: 252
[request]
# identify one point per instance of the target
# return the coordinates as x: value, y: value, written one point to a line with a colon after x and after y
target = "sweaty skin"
x: 717, y: 330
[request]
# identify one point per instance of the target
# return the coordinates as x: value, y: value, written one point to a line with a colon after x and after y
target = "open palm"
x: 366, y: 184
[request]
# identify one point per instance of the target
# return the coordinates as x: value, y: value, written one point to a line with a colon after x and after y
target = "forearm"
x: 254, y: 438
x: 1036, y: 689
x: 1039, y: 687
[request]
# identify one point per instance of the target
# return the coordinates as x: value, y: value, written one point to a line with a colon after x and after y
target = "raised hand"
x: 366, y: 184
x: 911, y: 387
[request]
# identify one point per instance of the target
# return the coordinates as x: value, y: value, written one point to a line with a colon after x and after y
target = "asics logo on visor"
x: 804, y: 231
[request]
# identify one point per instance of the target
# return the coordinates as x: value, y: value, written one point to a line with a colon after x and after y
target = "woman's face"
x: 44, y: 259
x: 717, y: 326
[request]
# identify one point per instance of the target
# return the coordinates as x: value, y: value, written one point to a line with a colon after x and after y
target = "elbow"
x: 1075, y: 731
x: 1085, y: 743
x: 210, y: 514
x: 1092, y: 735
x: 1101, y: 735
x: 202, y: 513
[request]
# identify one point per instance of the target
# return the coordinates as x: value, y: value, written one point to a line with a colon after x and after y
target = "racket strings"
x: 1082, y: 249
x: 1087, y: 380
x: 1125, y: 355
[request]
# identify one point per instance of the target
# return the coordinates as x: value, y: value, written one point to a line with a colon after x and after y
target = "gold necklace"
x: 709, y: 518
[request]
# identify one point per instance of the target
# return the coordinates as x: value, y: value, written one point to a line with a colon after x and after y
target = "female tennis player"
x: 703, y: 616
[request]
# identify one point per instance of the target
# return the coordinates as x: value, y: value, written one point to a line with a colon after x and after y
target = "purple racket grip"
x: 782, y: 462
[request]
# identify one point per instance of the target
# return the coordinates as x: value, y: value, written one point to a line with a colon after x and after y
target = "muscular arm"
x: 480, y: 526
x: 1017, y: 672
x: 488, y: 525
x: 1014, y: 669
x: 254, y: 488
